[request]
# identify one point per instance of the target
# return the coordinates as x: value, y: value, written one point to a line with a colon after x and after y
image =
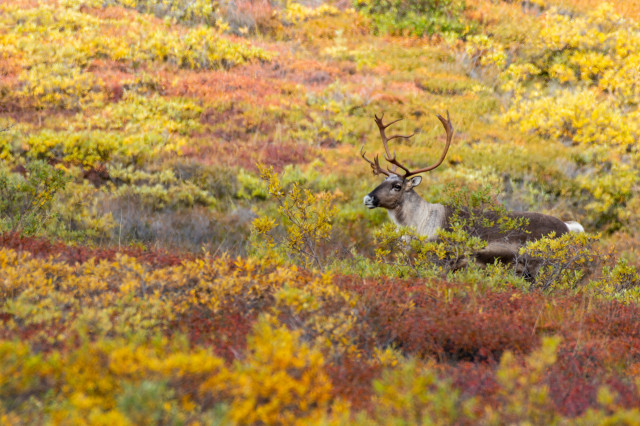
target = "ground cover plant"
x: 183, y: 240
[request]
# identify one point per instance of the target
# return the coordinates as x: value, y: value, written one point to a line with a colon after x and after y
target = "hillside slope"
x: 140, y: 140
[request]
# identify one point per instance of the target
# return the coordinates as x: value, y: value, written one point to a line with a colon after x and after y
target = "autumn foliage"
x: 260, y: 343
x: 183, y: 241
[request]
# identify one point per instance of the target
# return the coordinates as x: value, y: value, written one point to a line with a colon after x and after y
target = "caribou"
x: 406, y: 208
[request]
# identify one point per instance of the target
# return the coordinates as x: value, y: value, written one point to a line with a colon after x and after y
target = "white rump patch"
x: 574, y: 226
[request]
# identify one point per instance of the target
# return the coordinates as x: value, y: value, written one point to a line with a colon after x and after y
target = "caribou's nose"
x: 369, y: 201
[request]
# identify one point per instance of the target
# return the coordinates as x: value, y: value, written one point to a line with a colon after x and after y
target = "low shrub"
x: 413, y: 394
x: 416, y: 18
x: 281, y: 380
x: 26, y: 201
x: 620, y: 282
x: 306, y: 218
x: 187, y: 11
x: 561, y: 263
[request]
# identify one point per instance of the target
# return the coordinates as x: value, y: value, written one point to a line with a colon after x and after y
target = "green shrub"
x: 188, y: 11
x: 80, y: 210
x: 620, y: 282
x: 415, y: 17
x: 478, y: 209
x: 560, y: 263
x: 148, y: 402
x: 25, y: 202
x: 159, y: 190
x: 410, y: 254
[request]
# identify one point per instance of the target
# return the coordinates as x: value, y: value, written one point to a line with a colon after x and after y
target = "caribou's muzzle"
x: 371, y: 201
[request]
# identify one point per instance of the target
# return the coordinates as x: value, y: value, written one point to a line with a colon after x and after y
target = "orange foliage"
x: 255, y: 15
x: 267, y: 84
x: 212, y: 150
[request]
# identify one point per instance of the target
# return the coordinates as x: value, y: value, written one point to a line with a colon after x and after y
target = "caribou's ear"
x: 414, y: 181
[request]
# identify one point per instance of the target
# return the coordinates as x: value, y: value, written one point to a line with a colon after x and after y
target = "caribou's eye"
x: 397, y: 187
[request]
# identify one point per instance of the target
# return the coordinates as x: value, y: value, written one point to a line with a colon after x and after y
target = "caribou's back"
x: 541, y: 225
x: 536, y: 226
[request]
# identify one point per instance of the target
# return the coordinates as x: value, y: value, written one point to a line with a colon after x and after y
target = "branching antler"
x: 448, y: 127
x: 385, y: 140
x: 375, y: 165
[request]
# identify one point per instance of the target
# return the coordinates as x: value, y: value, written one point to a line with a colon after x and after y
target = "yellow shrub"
x: 574, y: 79
x: 413, y: 394
x: 523, y: 394
x: 561, y: 262
x: 62, y: 86
x: 282, y: 380
x: 620, y: 282
x: 307, y: 217
x: 296, y: 13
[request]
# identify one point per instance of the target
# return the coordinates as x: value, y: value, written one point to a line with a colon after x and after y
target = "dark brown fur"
x: 538, y: 225
x: 505, y: 245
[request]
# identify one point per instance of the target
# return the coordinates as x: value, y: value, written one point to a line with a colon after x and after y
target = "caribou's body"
x: 406, y: 208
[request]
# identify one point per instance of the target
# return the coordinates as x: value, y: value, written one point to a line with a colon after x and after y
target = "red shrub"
x: 580, y: 370
x: 39, y: 335
x: 614, y: 319
x: 42, y: 248
x: 472, y: 378
x: 97, y: 175
x: 471, y: 333
x: 351, y: 379
x: 255, y: 15
x: 409, y: 316
x: 225, y: 332
x: 278, y: 155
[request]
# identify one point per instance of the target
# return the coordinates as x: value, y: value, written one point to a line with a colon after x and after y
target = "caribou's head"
x: 391, y: 192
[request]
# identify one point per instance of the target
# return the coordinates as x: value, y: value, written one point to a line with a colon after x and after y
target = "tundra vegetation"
x: 183, y: 240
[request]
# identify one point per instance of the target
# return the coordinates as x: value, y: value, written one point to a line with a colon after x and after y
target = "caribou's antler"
x: 448, y: 127
x: 385, y: 140
x: 375, y: 165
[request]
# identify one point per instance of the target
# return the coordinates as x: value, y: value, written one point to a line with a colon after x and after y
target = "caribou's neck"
x: 425, y: 217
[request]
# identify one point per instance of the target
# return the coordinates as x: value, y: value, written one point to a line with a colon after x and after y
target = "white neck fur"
x: 415, y: 212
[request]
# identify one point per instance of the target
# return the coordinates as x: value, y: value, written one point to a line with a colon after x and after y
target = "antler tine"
x: 375, y: 166
x: 381, y: 124
x: 385, y: 141
x: 396, y: 164
x: 448, y: 127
